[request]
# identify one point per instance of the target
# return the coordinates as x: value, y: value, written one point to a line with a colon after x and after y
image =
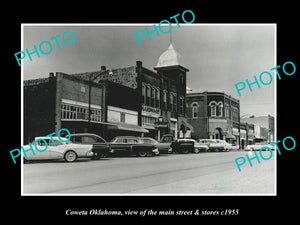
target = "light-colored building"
x: 264, y: 127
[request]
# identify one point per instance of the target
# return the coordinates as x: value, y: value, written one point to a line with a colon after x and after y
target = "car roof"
x: 127, y: 137
x: 54, y: 137
x: 84, y: 134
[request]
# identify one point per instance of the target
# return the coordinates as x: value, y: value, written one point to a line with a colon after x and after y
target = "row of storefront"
x: 133, y: 101
x: 126, y: 101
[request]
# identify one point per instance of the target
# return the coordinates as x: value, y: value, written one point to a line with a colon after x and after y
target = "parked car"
x: 183, y: 146
x: 257, y: 146
x: 198, y: 147
x: 166, y: 141
x: 63, y: 150
x: 100, y: 148
x: 132, y: 145
x: 226, y: 145
x: 212, y: 145
x: 163, y: 148
x: 234, y: 147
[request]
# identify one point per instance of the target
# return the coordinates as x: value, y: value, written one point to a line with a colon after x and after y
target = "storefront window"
x: 74, y: 112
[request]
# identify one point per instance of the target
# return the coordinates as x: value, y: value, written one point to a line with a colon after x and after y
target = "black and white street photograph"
x: 139, y: 113
x: 149, y: 109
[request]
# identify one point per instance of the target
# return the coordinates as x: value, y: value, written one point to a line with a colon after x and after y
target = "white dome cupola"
x: 169, y: 58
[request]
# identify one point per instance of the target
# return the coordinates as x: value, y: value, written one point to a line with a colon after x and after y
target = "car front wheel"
x: 96, y: 156
x: 185, y: 151
x: 70, y: 156
x: 142, y: 154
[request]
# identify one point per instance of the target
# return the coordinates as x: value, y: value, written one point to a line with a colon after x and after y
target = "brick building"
x: 214, y: 115
x: 264, y: 127
x: 66, y: 101
x: 125, y: 101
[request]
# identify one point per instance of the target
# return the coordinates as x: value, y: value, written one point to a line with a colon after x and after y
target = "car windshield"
x: 149, y: 141
x: 50, y: 143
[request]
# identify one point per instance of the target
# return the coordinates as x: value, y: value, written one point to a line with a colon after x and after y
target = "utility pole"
x: 95, y: 74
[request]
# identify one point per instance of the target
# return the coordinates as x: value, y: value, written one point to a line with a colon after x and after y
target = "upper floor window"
x: 165, y: 106
x: 181, y: 106
x: 216, y: 109
x: 220, y: 109
x: 157, y: 98
x: 143, y: 94
x: 226, y: 110
x: 171, y: 102
x: 175, y: 102
x: 213, y: 108
x: 148, y: 95
x: 234, y: 113
x: 153, y: 97
x: 195, y: 110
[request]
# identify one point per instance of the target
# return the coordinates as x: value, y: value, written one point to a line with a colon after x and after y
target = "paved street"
x: 204, y: 173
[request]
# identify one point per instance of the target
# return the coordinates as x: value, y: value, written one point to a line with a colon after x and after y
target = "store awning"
x: 230, y: 136
x: 126, y: 126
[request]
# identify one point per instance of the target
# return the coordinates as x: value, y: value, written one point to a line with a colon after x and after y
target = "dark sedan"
x: 183, y: 146
x: 130, y: 145
x: 100, y: 147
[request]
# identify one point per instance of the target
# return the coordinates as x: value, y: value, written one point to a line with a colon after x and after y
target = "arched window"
x: 213, y: 108
x: 220, y: 109
x: 195, y: 109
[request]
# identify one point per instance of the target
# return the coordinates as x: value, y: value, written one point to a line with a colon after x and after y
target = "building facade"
x: 264, y: 127
x: 214, y: 115
x: 125, y: 101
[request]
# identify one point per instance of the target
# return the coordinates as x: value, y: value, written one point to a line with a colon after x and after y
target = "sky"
x: 218, y: 56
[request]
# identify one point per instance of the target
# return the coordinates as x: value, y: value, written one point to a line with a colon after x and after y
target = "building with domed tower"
x: 133, y: 100
x: 167, y: 88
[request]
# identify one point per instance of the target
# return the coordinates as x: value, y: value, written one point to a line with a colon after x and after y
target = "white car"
x: 234, y: 147
x: 258, y: 146
x: 63, y: 150
x: 225, y: 145
x: 212, y: 144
